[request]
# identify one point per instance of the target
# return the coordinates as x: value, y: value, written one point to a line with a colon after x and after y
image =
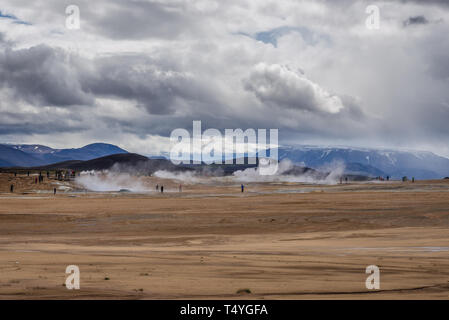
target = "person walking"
x: 162, y: 189
x: 243, y: 187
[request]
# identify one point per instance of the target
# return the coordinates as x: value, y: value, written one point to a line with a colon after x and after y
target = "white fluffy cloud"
x: 138, y: 69
x: 280, y: 86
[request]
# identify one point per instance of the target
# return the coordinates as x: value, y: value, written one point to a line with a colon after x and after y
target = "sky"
x: 135, y: 71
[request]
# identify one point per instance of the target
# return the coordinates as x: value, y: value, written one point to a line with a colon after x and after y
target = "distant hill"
x: 11, y: 157
x: 137, y: 164
x: 357, y: 161
x: 372, y: 162
x: 39, y: 155
x: 126, y: 162
x: 363, y: 169
x: 90, y: 151
x: 102, y: 163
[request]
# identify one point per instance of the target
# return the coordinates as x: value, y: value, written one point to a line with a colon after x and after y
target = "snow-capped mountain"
x: 10, y: 157
x: 362, y: 161
x: 373, y: 162
x: 37, y: 155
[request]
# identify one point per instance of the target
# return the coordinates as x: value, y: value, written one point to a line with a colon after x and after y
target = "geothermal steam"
x: 334, y: 172
x: 110, y: 181
x: 252, y: 174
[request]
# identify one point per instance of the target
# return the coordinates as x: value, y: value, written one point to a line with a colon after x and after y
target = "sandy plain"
x: 278, y: 240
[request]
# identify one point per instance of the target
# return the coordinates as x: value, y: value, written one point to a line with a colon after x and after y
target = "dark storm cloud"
x: 415, y: 20
x: 184, y: 61
x: 137, y: 20
x: 423, y: 2
x: 41, y: 76
x: 152, y: 86
x: 339, y: 3
x: 426, y: 2
x: 43, y: 122
x: 4, y: 42
x: 47, y: 76
x: 439, y: 65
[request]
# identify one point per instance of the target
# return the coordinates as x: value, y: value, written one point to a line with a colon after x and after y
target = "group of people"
x: 162, y: 188
x: 41, y: 177
x: 341, y: 180
x: 180, y: 188
x: 58, y: 174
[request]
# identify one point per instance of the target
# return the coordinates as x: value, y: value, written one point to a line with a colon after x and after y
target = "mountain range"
x: 371, y: 162
x: 356, y: 161
x: 32, y: 155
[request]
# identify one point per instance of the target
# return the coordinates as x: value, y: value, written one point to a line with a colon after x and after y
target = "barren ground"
x: 279, y: 240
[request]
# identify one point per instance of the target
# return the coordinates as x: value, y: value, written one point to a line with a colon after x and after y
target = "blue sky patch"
x: 13, y: 17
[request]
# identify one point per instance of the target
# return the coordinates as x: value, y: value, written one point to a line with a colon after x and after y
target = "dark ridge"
x: 122, y: 162
x: 137, y: 164
x: 103, y: 163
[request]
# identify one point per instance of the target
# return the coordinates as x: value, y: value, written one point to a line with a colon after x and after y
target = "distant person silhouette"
x: 11, y: 188
x: 54, y: 191
x: 157, y: 187
x: 243, y: 188
x: 162, y: 189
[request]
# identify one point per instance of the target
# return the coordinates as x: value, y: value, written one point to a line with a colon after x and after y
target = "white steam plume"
x: 110, y: 181
x: 252, y: 175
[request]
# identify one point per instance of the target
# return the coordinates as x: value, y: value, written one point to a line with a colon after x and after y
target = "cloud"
x: 415, y: 21
x: 136, y: 70
x: 47, y: 76
x: 279, y: 86
x: 272, y: 36
x: 2, y: 39
x: 13, y: 18
x: 137, y: 79
x: 138, y: 20
x: 43, y: 76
